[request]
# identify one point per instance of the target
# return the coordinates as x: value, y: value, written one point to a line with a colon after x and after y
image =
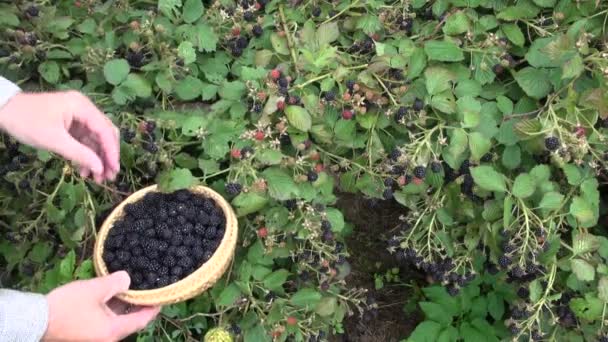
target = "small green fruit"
x: 218, y: 335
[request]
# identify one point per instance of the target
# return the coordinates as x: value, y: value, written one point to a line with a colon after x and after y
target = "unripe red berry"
x: 347, y: 114
x: 281, y: 105
x: 235, y: 153
x: 259, y: 135
x: 292, y: 321
x: 275, y: 74
x: 263, y: 232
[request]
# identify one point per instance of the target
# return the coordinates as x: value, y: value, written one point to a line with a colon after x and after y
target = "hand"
x: 66, y: 123
x: 85, y: 311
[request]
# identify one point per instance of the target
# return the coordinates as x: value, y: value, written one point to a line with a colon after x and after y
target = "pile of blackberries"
x: 163, y: 238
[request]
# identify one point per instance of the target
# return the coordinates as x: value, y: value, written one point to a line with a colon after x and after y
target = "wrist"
x: 12, y: 108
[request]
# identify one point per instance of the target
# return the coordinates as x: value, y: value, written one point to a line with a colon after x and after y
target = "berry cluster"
x: 163, y: 238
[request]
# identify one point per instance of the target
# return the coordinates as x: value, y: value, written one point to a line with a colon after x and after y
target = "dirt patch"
x: 374, y: 223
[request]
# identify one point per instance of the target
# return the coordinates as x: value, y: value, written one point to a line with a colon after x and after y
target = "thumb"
x: 73, y: 150
x: 125, y: 325
x: 105, y: 288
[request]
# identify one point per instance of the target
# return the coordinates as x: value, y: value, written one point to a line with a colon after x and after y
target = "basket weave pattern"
x: 190, y: 286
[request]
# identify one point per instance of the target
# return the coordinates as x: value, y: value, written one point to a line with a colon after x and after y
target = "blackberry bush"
x: 485, y: 121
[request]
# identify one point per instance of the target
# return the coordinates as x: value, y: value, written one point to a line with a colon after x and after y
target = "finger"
x: 117, y: 306
x: 105, y: 288
x: 94, y: 146
x: 84, y: 172
x: 79, y: 153
x: 125, y: 325
x: 96, y: 122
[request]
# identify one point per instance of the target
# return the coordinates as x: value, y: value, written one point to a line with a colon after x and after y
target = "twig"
x: 341, y: 12
x: 289, y: 41
x: 386, y: 89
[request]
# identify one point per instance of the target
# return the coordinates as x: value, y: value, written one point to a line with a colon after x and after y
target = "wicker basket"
x: 190, y: 286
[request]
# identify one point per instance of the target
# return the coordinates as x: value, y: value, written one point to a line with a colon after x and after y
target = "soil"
x: 374, y: 221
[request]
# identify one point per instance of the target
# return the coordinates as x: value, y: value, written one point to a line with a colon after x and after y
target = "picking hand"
x: 66, y: 123
x: 85, y: 311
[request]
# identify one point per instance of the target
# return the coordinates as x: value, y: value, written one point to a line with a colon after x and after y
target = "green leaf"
x: 479, y: 145
x: 193, y: 9
x: 589, y: 308
x: 505, y: 105
x: 456, y: 23
x: 545, y: 3
x: 280, y: 185
x: 138, y: 85
x: 186, y: 51
x: 488, y: 178
x: 116, y: 70
x: 269, y: 156
x: 573, y: 68
x: 551, y: 200
x: 602, y: 289
x: 188, y: 88
x: 427, y: 331
x: 232, y: 90
x: 513, y: 32
x: 206, y: 38
x: 534, y: 82
x: 449, y: 334
x: 437, y: 80
x: 298, y: 117
x: 256, y: 334
x: 436, y: 312
x: 40, y: 252
x: 229, y: 295
x: 524, y: 186
x: 84, y: 270
x: 66, y: 266
x: 8, y: 18
x: 523, y: 10
x: 444, y: 51
x: 247, y: 203
x: 279, y: 44
x: 573, y: 173
x: 541, y: 173
x: 49, y: 70
x: 327, y: 306
x: 444, y: 102
x: 582, y: 211
x: 327, y: 33
x: 470, y: 109
x: 511, y: 157
x: 275, y: 280
x: 369, y: 23
x: 417, y: 63
x: 335, y: 217
x: 169, y: 7
x: 584, y: 243
x: 306, y: 298
x: 536, y: 291
x: 176, y: 179
x: 496, y: 306
x: 582, y: 269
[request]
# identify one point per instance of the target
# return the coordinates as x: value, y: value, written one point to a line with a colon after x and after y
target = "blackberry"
x: 182, y: 251
x: 257, y: 30
x: 436, y: 167
x: 350, y: 84
x: 242, y: 42
x: 233, y: 189
x: 395, y: 154
x: 312, y: 176
x: 328, y: 236
x: 330, y: 96
x: 150, y: 126
x: 32, y: 11
x: 325, y: 225
x: 389, y: 182
x: 177, y: 271
x: 283, y: 82
x: 186, y: 262
x: 465, y: 167
x: 169, y: 261
x: 419, y: 172
x: 324, y: 286
x: 536, y: 335
x: 290, y: 204
x: 523, y: 292
x: 246, y: 152
x: 135, y: 59
x: 316, y: 11
x: 249, y: 16
x: 504, y: 261
x: 552, y: 143
x: 149, y: 146
x: 236, y: 51
x: 418, y: 105
x: 387, y: 194
x: 488, y: 157
x: 453, y: 290
x: 123, y: 256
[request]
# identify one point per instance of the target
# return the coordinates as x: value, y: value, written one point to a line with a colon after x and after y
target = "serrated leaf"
x: 514, y: 34
x: 279, y: 44
x: 573, y: 68
x: 534, y: 82
x: 250, y: 202
x: 479, y: 145
x: 551, y: 200
x: 327, y: 33
x: 584, y: 243
x: 582, y: 269
x: 188, y: 88
x: 437, y: 80
x: 306, y: 298
x: 193, y: 9
x: 505, y: 105
x: 582, y: 211
x: 573, y: 174
x: 511, y: 157
x: 488, y: 178
x: 229, y: 295
x: 327, y: 306
x: 280, y: 185
x: 536, y: 291
x: 444, y: 51
x: 276, y: 279
x: 177, y: 179
x: 523, y: 10
x: 523, y: 186
x: 436, y: 312
x: 49, y: 70
x: 427, y: 331
x: 470, y: 109
x: 186, y: 51
x: 456, y: 23
x: 602, y: 289
x: 116, y: 71
x: 206, y: 38
x: 298, y: 117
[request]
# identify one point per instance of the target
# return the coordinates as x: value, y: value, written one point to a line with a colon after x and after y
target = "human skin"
x: 69, y: 124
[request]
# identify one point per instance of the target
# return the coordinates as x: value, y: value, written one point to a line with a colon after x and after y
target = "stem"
x: 341, y: 12
x: 289, y: 41
x: 386, y: 89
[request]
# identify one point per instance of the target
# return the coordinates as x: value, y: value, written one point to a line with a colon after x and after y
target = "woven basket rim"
x: 187, y: 287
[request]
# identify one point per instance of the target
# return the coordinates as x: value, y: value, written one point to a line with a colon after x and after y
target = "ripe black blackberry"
x: 395, y: 154
x: 312, y: 176
x: 236, y: 51
x: 249, y: 16
x: 283, y: 82
x: 435, y: 167
x: 233, y: 189
x: 552, y: 143
x: 246, y: 152
x: 135, y: 58
x: 149, y: 146
x: 316, y: 11
x: 241, y: 42
x: 329, y: 96
x: 453, y: 290
x: 419, y: 172
x: 32, y: 11
x: 504, y: 261
x: 387, y: 194
x: 257, y: 30
x: 488, y: 157
x: 150, y: 126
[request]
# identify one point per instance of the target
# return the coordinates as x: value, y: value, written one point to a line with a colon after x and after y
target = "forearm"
x: 23, y: 316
